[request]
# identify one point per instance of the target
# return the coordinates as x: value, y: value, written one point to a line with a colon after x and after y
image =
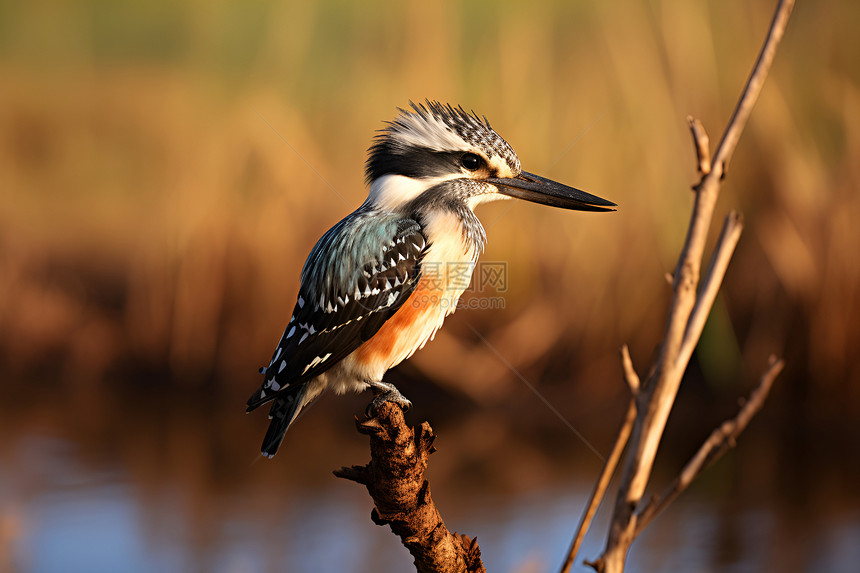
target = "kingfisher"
x: 378, y: 285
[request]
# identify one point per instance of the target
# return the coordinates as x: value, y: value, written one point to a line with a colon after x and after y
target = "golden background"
x: 166, y: 167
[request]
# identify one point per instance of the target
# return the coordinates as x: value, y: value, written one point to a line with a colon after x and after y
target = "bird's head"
x: 437, y: 154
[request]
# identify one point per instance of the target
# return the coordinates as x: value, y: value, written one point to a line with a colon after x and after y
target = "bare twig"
x: 702, y: 143
x: 729, y: 236
x: 688, y: 309
x: 719, y: 442
x: 630, y: 375
x: 611, y: 463
x: 749, y: 96
x: 600, y: 487
x: 394, y: 477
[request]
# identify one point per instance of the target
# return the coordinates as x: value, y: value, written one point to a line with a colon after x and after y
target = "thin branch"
x: 661, y: 387
x: 599, y: 491
x: 702, y: 143
x: 729, y: 236
x: 630, y: 375
x: 394, y: 477
x: 717, y: 444
x: 749, y: 96
x: 601, y: 486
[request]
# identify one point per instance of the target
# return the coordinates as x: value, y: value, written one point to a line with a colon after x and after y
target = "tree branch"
x: 717, y: 444
x: 630, y: 375
x: 599, y: 492
x: 702, y: 143
x: 752, y: 89
x: 394, y: 477
x: 729, y: 237
x: 688, y: 309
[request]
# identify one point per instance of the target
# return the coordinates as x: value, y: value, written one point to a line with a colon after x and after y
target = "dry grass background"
x: 153, y: 224
x: 152, y: 220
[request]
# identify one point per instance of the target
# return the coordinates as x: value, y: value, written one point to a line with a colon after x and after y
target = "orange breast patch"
x: 410, y: 326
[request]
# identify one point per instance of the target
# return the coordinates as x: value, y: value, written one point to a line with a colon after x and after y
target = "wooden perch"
x: 394, y: 477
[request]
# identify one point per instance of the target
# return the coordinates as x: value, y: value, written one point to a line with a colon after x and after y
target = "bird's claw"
x: 389, y: 394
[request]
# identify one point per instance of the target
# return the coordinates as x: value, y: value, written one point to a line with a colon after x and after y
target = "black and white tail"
x: 285, y: 409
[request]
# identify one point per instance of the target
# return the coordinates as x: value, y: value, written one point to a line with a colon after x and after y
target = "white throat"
x: 392, y: 191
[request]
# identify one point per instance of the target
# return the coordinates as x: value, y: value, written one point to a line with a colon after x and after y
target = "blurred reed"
x: 152, y: 223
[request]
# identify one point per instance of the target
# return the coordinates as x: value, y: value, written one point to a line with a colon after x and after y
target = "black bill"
x: 545, y: 191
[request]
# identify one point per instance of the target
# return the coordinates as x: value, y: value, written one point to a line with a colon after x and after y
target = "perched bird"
x: 377, y: 286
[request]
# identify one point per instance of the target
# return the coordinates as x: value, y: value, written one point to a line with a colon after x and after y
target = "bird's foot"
x: 384, y: 392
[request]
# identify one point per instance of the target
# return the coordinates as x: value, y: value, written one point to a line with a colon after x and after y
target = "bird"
x: 378, y: 285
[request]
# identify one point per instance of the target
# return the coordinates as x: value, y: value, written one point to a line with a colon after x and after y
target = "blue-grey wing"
x: 356, y: 277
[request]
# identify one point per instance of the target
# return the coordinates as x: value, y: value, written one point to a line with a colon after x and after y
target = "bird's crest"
x: 439, y: 128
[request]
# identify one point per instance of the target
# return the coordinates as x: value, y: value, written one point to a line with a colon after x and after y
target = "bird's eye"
x: 471, y: 161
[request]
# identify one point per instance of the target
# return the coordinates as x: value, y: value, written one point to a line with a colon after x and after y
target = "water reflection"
x: 170, y: 487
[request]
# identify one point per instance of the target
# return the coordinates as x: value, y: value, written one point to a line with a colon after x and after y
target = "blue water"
x: 59, y: 513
